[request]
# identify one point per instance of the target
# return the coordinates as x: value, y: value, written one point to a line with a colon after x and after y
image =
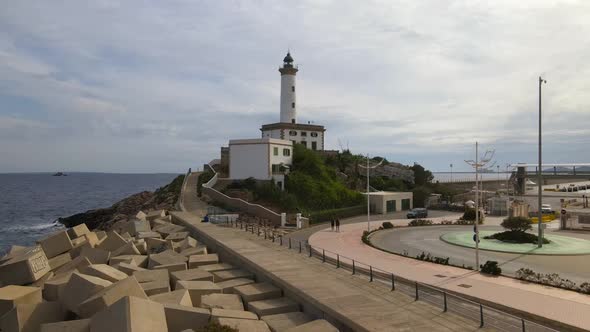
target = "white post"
x: 476, y: 208
x: 368, y: 198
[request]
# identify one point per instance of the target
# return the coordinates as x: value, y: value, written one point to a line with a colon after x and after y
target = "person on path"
x: 332, y: 224
x: 337, y: 225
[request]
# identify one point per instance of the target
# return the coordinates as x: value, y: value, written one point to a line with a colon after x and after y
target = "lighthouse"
x: 307, y: 133
x: 288, y: 92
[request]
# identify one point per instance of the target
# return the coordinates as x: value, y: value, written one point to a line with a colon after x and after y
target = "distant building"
x: 384, y: 202
x: 310, y: 135
x: 261, y: 158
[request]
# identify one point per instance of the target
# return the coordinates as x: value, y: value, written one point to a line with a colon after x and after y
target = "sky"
x: 159, y: 86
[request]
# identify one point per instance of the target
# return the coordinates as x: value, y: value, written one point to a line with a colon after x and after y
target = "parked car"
x: 546, y: 208
x: 417, y: 213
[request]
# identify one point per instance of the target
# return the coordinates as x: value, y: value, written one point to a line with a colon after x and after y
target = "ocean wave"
x: 32, y: 228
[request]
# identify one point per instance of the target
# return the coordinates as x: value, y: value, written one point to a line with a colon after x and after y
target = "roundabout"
x: 559, y: 245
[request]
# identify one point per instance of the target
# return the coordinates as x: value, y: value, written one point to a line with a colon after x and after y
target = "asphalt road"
x: 416, y: 240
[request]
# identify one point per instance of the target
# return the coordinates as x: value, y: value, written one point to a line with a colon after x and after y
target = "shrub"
x: 515, y: 237
x: 491, y: 267
x: 517, y: 224
x: 552, y: 279
x: 420, y: 222
x: 203, y: 178
x: 387, y: 225
x: 216, y: 327
x: 319, y: 216
x: 467, y: 222
x: 433, y: 259
x: 470, y: 215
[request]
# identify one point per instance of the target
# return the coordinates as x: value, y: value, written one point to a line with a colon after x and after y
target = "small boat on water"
x: 60, y: 174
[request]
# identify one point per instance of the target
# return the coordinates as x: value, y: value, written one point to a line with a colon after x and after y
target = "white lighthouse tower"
x: 288, y: 105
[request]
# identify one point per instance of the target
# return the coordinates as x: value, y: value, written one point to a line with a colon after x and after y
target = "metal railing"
x: 485, y: 315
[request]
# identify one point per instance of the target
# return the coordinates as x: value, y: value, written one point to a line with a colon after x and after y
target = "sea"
x: 30, y: 203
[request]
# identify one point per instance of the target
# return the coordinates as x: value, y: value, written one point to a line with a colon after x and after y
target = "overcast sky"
x: 159, y: 86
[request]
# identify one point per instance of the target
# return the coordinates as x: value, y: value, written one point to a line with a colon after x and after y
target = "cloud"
x: 410, y: 80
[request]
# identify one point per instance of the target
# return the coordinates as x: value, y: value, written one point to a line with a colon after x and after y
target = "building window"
x: 293, y: 88
x: 292, y: 120
x: 304, y: 133
x: 286, y: 152
x: 314, y: 134
x: 292, y: 105
x: 293, y: 133
x: 275, y: 151
x: 314, y: 145
x: 304, y: 143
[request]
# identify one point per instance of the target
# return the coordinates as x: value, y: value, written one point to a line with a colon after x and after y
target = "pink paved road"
x: 568, y: 307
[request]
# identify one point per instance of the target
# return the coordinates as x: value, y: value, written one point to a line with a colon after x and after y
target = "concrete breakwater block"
x: 11, y: 252
x: 41, y: 282
x: 191, y: 274
x: 12, y: 295
x: 53, y: 288
x: 187, y: 243
x: 155, y: 245
x: 80, y: 325
x: 273, y: 306
x: 153, y: 281
x: 128, y: 268
x: 181, y: 297
x: 198, y: 250
x: 28, y: 317
x: 128, y: 248
x: 146, y: 235
x: 104, y: 271
x: 59, y: 260
x: 139, y: 260
x: 24, y: 266
x: 78, y: 230
x: 222, y: 301
x: 216, y: 267
x: 318, y: 325
x: 173, y: 267
x: 112, y: 242
x: 80, y: 245
x: 176, y: 237
x: 179, y: 318
x: 257, y: 292
x: 130, y: 314
x: 79, y: 288
x: 224, y: 275
x: 164, y: 258
x: 200, y: 260
x: 110, y: 295
x: 56, y: 243
x: 95, y: 255
x: 217, y: 313
x: 282, y: 322
x: 76, y: 263
x: 197, y: 289
x: 92, y: 239
x: 168, y: 229
x: 228, y: 286
x: 245, y: 324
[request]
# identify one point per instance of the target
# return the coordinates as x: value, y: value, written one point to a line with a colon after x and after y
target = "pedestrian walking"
x: 337, y: 225
x: 332, y: 224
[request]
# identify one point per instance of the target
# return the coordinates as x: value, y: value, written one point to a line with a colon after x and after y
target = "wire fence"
x: 448, y: 302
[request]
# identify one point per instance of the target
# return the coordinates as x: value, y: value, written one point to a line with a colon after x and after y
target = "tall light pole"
x: 369, y: 191
x: 451, y: 173
x: 540, y: 173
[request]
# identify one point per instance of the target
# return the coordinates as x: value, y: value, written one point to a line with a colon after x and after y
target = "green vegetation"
x: 216, y: 327
x: 433, y: 259
x: 324, y: 215
x: 203, y: 178
x: 387, y: 225
x: 516, y: 231
x: 469, y: 216
x: 491, y: 267
x: 420, y: 222
x: 551, y: 279
x: 169, y: 192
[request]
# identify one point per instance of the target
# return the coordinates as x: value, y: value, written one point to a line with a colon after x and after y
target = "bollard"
x: 392, y: 282
x: 281, y: 240
x: 337, y: 261
x: 416, y: 290
x: 353, y: 267
x: 323, y: 256
x: 370, y: 273
x: 252, y: 229
x: 523, y: 326
x: 481, y: 315
x: 273, y: 238
x: 309, y: 251
x: 289, y: 243
x: 299, y: 246
x: 445, y: 301
x: 265, y: 234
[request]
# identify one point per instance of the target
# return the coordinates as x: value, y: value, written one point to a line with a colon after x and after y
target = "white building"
x: 310, y: 135
x: 260, y: 158
x: 383, y: 202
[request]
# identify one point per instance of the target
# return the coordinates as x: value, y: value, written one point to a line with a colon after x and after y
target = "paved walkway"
x: 352, y: 300
x: 191, y: 201
x: 568, y: 307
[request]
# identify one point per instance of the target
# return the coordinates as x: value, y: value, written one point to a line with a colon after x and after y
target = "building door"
x: 314, y: 145
x: 406, y: 204
x: 391, y: 206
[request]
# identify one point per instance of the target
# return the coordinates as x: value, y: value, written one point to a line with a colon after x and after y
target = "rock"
x: 222, y: 301
x: 130, y: 314
x: 179, y: 318
x: 318, y: 325
x: 191, y: 274
x: 228, y: 286
x: 24, y: 266
x: 95, y: 255
x: 217, y: 313
x: 181, y: 297
x: 12, y: 295
x: 110, y: 295
x: 245, y: 324
x: 273, y: 306
x: 78, y: 230
x: 59, y: 260
x: 56, y: 243
x: 28, y: 317
x: 282, y: 322
x: 195, y: 261
x: 257, y: 292
x: 225, y: 275
x: 80, y: 325
x: 79, y: 288
x: 105, y: 272
x: 197, y: 289
x: 112, y: 242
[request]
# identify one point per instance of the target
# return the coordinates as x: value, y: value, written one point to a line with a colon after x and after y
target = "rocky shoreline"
x: 164, y: 198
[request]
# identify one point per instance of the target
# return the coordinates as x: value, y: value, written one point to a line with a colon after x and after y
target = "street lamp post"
x: 540, y: 173
x: 451, y: 173
x: 369, y: 191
